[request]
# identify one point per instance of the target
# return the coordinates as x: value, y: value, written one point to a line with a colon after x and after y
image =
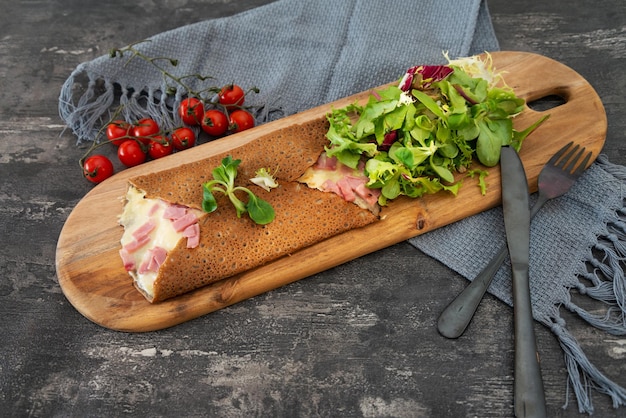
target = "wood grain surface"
x: 93, y: 278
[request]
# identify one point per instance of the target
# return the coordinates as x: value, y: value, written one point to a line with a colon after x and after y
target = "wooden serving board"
x: 93, y: 278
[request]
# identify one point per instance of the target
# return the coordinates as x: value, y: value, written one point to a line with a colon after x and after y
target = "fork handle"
x: 458, y: 314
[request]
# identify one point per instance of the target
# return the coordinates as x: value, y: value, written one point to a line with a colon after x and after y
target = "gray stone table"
x: 356, y: 341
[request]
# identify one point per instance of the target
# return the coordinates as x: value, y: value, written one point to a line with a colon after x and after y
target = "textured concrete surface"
x: 356, y: 341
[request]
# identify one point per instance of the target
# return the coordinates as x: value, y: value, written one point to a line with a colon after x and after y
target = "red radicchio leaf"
x: 407, y: 80
x: 388, y: 140
x: 428, y: 75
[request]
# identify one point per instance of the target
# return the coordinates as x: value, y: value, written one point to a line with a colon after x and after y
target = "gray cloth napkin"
x: 300, y: 54
x: 306, y: 53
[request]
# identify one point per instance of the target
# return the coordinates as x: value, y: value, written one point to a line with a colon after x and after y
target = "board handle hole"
x: 546, y: 103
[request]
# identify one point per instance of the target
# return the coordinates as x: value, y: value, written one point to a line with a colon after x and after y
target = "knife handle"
x: 528, y: 392
x: 458, y: 314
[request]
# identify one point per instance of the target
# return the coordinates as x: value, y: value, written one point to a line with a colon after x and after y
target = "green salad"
x: 415, y: 135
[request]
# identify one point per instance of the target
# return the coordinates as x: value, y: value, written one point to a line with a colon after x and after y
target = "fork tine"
x: 583, y: 165
x: 559, y: 153
x: 563, y: 161
x: 572, y: 163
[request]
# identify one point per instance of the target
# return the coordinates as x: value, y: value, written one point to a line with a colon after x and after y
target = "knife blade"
x: 529, y: 397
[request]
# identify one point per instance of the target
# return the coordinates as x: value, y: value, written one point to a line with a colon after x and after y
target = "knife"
x: 529, y: 398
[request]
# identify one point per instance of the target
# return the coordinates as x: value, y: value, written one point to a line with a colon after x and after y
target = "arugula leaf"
x: 518, y: 137
x: 430, y: 104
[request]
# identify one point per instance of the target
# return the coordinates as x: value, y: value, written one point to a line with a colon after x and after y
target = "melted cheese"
x: 137, y: 211
x: 316, y: 177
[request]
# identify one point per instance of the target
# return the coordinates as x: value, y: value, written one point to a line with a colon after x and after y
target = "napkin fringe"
x: 608, y: 282
x: 83, y: 116
x: 101, y: 101
x: 96, y: 104
x: 604, y: 271
x: 606, y: 264
x: 583, y: 376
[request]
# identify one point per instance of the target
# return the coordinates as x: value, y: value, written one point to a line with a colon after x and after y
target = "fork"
x: 555, y: 179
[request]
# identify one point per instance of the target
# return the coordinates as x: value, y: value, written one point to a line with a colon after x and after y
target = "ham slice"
x: 345, y: 187
x: 182, y: 223
x: 157, y: 257
x: 152, y: 260
x: 145, y: 229
x: 192, y: 233
x: 127, y: 259
x: 174, y: 212
x: 370, y: 196
x: 330, y: 186
x: 136, y: 244
x: 325, y: 162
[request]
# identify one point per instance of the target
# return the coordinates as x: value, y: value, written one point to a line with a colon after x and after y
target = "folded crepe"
x: 170, y: 246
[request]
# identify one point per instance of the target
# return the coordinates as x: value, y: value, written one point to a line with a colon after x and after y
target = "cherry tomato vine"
x: 212, y: 112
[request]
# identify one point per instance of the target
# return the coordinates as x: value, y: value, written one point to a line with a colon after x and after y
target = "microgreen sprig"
x: 259, y: 210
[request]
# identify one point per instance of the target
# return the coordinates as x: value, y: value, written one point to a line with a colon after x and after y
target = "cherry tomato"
x: 183, y: 138
x: 191, y: 111
x: 97, y: 168
x: 214, y: 122
x: 160, y: 147
x: 240, y: 120
x: 131, y: 153
x: 118, y: 132
x: 145, y: 129
x: 231, y: 96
